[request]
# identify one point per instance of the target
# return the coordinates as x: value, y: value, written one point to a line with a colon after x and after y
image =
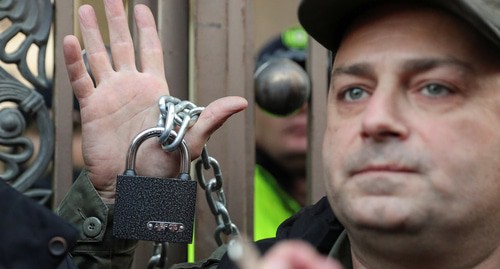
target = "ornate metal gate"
x: 208, y: 51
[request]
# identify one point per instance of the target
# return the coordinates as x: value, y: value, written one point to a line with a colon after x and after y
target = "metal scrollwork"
x: 25, y: 27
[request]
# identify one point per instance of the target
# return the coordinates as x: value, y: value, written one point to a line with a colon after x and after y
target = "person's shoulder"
x: 315, y: 224
x: 319, y: 212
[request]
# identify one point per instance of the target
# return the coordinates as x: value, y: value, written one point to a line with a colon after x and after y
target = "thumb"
x: 211, y: 119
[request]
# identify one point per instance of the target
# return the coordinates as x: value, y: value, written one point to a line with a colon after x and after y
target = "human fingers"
x: 97, y: 54
x: 294, y: 254
x: 122, y: 46
x: 78, y: 76
x: 150, y: 49
x: 243, y: 253
x: 212, y: 117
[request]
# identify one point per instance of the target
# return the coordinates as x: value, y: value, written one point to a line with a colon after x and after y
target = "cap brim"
x: 327, y: 20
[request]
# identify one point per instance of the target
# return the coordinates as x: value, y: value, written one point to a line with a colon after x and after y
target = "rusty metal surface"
x: 63, y: 163
x: 173, y: 25
x: 222, y: 65
x: 317, y: 68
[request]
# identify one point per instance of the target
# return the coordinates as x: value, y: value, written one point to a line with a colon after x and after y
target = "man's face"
x: 283, y: 138
x: 413, y: 133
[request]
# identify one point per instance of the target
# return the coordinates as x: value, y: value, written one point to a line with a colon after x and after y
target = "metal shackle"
x: 156, y: 132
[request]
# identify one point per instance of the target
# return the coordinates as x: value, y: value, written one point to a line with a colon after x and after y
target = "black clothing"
x: 31, y: 235
x: 314, y: 224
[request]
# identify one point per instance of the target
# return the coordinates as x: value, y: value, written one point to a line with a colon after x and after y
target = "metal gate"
x: 208, y: 53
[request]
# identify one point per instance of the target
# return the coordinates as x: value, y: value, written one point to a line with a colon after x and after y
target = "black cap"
x: 327, y: 20
x: 291, y: 44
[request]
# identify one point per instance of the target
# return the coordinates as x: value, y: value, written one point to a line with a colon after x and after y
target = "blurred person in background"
x: 281, y: 139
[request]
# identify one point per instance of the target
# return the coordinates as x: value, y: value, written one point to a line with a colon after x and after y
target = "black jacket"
x: 315, y: 224
x: 32, y: 236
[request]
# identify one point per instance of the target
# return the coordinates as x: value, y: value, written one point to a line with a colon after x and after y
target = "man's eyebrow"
x: 424, y: 64
x: 412, y: 65
x: 359, y: 69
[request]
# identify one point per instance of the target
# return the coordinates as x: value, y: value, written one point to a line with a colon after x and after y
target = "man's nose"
x: 384, y: 117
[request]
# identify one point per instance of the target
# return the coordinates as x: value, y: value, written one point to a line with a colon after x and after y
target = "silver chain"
x: 215, y: 196
x: 176, y: 113
x: 180, y: 116
x: 159, y: 258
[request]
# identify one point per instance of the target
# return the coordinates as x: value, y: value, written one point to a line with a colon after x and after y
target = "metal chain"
x: 216, y: 203
x: 159, y: 258
x: 175, y: 113
x: 181, y: 115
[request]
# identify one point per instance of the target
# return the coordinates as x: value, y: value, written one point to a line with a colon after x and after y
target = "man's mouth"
x: 383, y: 168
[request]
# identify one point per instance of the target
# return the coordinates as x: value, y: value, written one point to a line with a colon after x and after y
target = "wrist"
x: 107, y: 197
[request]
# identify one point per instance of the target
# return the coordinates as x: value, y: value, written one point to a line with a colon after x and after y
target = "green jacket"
x: 95, y: 247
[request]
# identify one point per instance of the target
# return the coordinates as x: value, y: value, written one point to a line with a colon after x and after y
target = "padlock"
x: 155, y: 209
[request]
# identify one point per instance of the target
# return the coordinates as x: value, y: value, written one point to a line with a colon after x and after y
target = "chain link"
x: 217, y: 203
x: 180, y: 116
x: 159, y: 258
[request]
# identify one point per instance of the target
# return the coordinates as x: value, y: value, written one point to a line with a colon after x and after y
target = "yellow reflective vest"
x: 272, y: 205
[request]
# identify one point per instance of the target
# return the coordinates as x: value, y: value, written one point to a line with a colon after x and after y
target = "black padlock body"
x: 153, y: 209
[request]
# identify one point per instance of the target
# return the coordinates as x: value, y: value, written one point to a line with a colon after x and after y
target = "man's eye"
x: 435, y: 90
x: 354, y: 94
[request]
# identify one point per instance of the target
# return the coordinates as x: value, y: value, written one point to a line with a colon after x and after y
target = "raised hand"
x: 123, y: 101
